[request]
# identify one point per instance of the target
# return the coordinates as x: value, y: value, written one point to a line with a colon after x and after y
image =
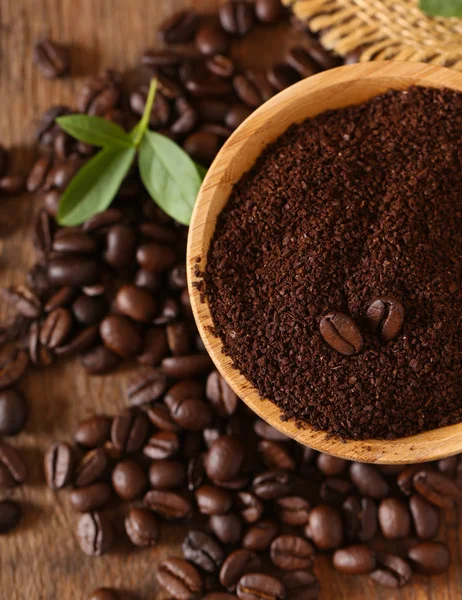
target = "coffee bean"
x: 160, y: 58
x: 290, y: 553
x: 94, y: 534
x: 179, y: 28
x: 120, y: 246
x: 275, y: 455
x: 147, y: 386
x: 73, y: 271
x: 259, y: 536
x: 355, y: 560
x: 203, y: 551
x: 160, y: 112
x: 252, y: 87
x: 136, y: 303
x: 154, y: 349
x: 212, y: 110
x: 90, y: 497
x: 10, y: 515
x: 293, y: 510
x: 221, y: 66
x: 227, y: 528
x: 56, y: 328
x: 74, y: 242
x: 178, y: 338
x: 212, y: 500
x: 282, y: 76
x: 170, y: 311
x: 159, y: 415
x: 46, y: 125
x: 62, y: 297
x: 236, y: 564
x: 237, y: 17
x: 257, y: 586
x: 200, y: 83
x: 162, y: 444
x: 430, y: 558
x: 192, y: 365
x: 360, y: 516
x: 267, y: 432
x: 202, y: 146
x: 104, y: 594
x: 155, y: 257
x: 120, y: 336
x: 58, y: 464
x: 100, y: 360
x: 91, y: 467
x: 89, y: 310
x: 322, y: 56
x: 38, y: 173
x: 331, y: 465
x: 299, y: 59
x: 405, y: 478
x: 269, y: 11
x: 93, y: 432
x: 13, y: 365
x: 386, y: 317
x: 13, y: 412
x: 211, y: 40
x: 166, y: 474
x: 272, y: 485
x: 301, y: 585
x: 394, y: 518
x: 425, y: 516
x: 11, y: 459
x: 129, y: 431
x: 142, y: 527
x: 98, y: 95
x: 437, y: 488
x: 325, y: 527
x: 129, y: 480
x: 224, y: 459
x: 392, y: 571
x: 180, y: 579
x: 368, y: 480
x: 221, y: 396
x: 51, y: 59
x: 101, y: 221
x: 341, y: 333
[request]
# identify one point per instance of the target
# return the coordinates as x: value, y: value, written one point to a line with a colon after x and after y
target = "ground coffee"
x: 353, y: 205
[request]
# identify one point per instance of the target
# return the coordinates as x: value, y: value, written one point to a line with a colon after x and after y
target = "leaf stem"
x: 143, y: 124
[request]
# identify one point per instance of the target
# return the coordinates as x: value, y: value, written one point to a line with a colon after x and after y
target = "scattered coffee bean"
x: 394, y: 518
x: 293, y: 510
x: 91, y: 497
x: 360, y: 516
x: 142, y: 527
x: 180, y: 579
x: 162, y: 444
x: 203, y: 551
x: 179, y: 28
x: 93, y: 432
x: 259, y: 536
x: 51, y: 58
x: 58, y: 465
x: 237, y: 17
x: 169, y: 505
x: 129, y: 480
x: 236, y: 564
x: 120, y: 335
x: 11, y: 459
x: 269, y: 11
x: 437, y: 488
x: 91, y: 467
x: 224, y: 459
x: 368, y: 480
x: 430, y: 558
x: 13, y: 412
x: 392, y: 571
x: 341, y: 333
x: 355, y: 560
x: 211, y: 40
x: 386, y: 317
x: 260, y: 586
x: 325, y: 527
x: 291, y: 553
x: 148, y: 385
x: 425, y: 516
x: 94, y: 534
x: 129, y: 431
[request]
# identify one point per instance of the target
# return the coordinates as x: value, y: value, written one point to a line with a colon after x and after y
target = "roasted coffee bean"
x: 273, y: 484
x: 322, y: 56
x: 236, y: 564
x: 212, y: 110
x: 101, y: 221
x: 180, y: 579
x: 331, y: 465
x: 60, y: 175
x: 252, y: 87
x: 159, y: 415
x: 179, y: 28
x: 10, y: 515
x: 51, y: 59
x: 301, y: 585
x: 183, y: 390
x: 425, y: 516
x: 142, y: 527
x: 368, y: 480
x: 58, y: 465
x: 160, y: 58
x: 355, y: 560
x: 155, y: 257
x: 203, y: 551
x: 159, y: 233
x: 43, y: 233
x: 212, y: 500
x: 394, y: 518
x: 74, y: 242
x: 341, y: 333
x: 249, y: 506
x: 282, y: 76
x: 94, y: 534
x: 56, y: 328
x: 192, y: 365
x: 62, y: 297
x: 13, y: 365
x: 227, y: 528
x: 129, y: 431
x: 299, y: 59
x: 147, y: 386
x: 236, y: 115
x: 430, y: 558
x: 221, y: 66
x: 392, y: 571
x: 90, y: 497
x: 291, y: 553
x: 160, y: 112
x: 104, y: 594
x: 448, y: 466
x: 91, y: 467
x: 12, y: 185
x: 166, y: 474
x: 325, y: 527
x: 178, y: 338
x: 63, y: 146
x: 155, y: 347
x: 168, y: 505
x: 186, y: 120
x: 120, y: 336
x: 202, y: 146
x: 269, y: 11
x: 386, y: 317
x: 46, y: 126
x: 201, y: 83
x: 293, y: 510
x: 405, y: 478
x: 258, y: 537
x: 257, y: 586
x: 38, y: 173
x: 120, y: 246
x: 265, y: 431
x: 191, y: 414
x: 11, y: 459
x: 98, y: 95
x: 360, y: 516
x: 89, y: 310
x: 162, y: 444
x: 170, y: 311
x: 13, y: 412
x: 276, y: 456
x: 25, y: 301
x: 237, y: 17
x: 129, y: 480
x: 100, y: 360
x: 39, y: 355
x: 224, y: 459
x: 195, y: 472
x: 73, y: 271
x: 437, y: 488
x: 94, y: 431
x: 221, y: 396
x: 211, y: 40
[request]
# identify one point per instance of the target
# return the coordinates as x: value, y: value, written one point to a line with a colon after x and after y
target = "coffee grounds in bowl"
x: 352, y: 205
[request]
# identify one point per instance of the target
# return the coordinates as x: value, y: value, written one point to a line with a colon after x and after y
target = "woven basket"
x: 383, y: 30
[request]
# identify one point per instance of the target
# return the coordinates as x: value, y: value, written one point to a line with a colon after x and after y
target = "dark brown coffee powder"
x: 346, y: 207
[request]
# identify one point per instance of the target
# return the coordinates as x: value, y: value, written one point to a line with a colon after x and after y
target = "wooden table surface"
x: 41, y: 559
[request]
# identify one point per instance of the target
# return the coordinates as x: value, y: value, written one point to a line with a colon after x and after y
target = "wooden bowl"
x: 329, y: 90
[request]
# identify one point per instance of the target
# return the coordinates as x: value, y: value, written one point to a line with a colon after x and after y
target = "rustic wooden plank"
x: 41, y: 559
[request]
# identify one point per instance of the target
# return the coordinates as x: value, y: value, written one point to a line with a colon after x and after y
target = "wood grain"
x: 41, y: 560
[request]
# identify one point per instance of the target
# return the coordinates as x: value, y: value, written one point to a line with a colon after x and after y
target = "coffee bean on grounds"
x: 351, y: 206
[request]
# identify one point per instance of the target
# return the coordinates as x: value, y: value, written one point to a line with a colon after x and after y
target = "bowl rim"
x: 429, y: 445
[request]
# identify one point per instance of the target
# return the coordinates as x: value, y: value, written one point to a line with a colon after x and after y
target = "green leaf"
x: 95, y: 130
x: 442, y: 8
x: 169, y: 175
x: 94, y: 187
x: 140, y: 129
x: 201, y: 170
